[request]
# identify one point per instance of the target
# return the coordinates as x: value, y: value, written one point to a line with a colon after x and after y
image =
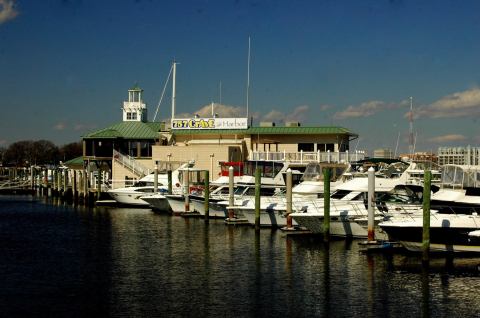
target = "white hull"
x: 273, y: 218
x: 177, y: 203
x: 128, y: 198
x: 214, y: 210
x: 157, y: 202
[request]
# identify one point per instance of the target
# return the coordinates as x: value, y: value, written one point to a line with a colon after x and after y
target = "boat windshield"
x: 314, y: 171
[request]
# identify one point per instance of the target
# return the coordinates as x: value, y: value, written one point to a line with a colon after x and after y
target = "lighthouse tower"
x: 134, y: 109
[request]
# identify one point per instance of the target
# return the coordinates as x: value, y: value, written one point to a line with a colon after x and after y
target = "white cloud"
x: 325, y: 107
x: 448, y: 138
x: 298, y: 114
x: 365, y: 109
x: 59, y: 126
x: 460, y: 104
x: 220, y: 109
x: 7, y: 10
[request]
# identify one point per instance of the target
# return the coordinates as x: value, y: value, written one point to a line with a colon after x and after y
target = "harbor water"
x: 57, y: 260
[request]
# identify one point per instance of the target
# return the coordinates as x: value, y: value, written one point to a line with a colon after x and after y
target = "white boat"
x: 134, y: 195
x: 459, y: 191
x: 272, y: 181
x: 448, y: 232
x: 395, y: 195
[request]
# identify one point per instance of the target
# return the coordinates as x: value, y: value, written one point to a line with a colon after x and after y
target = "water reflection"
x: 133, y: 262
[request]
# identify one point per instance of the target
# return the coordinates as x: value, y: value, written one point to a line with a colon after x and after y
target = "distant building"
x: 420, y: 156
x: 383, y: 153
x: 459, y: 155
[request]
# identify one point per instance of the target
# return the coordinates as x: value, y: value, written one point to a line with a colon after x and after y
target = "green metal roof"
x: 269, y: 131
x: 127, y: 130
x: 75, y: 162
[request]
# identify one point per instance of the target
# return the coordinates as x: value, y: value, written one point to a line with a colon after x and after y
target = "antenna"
x: 410, y: 119
x: 248, y: 73
x: 396, y: 147
x: 163, y: 92
x: 174, y: 67
x: 220, y: 92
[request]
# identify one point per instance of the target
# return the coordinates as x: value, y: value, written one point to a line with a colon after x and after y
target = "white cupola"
x: 134, y: 109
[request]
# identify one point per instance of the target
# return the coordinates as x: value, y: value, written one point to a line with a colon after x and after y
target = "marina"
x: 64, y: 260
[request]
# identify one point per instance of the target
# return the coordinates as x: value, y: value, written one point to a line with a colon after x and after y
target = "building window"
x: 306, y: 147
x: 131, y: 116
x: 325, y: 147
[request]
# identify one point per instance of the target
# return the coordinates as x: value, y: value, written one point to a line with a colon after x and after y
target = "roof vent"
x: 292, y: 124
x: 267, y: 124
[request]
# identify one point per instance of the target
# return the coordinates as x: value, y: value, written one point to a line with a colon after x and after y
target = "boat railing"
x: 306, y: 156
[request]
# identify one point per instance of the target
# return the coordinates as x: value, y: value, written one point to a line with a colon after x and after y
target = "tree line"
x: 41, y: 152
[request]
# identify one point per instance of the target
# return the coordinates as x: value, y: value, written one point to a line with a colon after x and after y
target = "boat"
x: 135, y: 195
x: 272, y: 179
x: 348, y: 204
x: 455, y: 233
x: 459, y: 190
x: 347, y: 183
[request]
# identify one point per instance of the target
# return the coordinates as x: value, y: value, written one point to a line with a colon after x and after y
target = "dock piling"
x: 231, y: 198
x: 326, y: 204
x: 207, y: 195
x: 169, y: 176
x: 155, y: 178
x: 257, y: 198
x: 289, y: 199
x: 426, y: 216
x: 371, y: 204
x: 186, y: 189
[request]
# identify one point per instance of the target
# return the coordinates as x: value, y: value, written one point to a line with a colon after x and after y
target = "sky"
x: 66, y: 66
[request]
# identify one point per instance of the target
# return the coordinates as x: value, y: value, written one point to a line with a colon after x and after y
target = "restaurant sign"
x: 210, y: 123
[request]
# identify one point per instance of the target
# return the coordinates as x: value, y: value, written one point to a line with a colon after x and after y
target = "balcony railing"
x: 305, y: 157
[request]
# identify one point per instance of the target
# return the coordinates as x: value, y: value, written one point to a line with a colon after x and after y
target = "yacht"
x: 135, y: 195
x: 448, y: 232
x: 273, y: 175
x: 459, y: 190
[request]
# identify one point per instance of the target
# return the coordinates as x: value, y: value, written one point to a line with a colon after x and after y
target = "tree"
x: 28, y: 152
x: 71, y: 151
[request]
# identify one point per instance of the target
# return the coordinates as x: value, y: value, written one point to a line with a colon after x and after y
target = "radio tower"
x: 410, y: 136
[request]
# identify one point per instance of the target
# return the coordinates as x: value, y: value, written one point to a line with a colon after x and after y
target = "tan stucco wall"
x: 201, y: 154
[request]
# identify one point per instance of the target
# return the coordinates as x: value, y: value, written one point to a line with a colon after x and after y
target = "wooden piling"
x: 155, y: 178
x: 371, y: 204
x: 257, y: 198
x: 206, y: 193
x: 289, y: 199
x: 326, y: 204
x: 426, y: 215
x: 186, y: 189
x: 32, y: 178
x: 99, y: 184
x: 75, y: 187
x: 169, y: 176
x: 231, y: 198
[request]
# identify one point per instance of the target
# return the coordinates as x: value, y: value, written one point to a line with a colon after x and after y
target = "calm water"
x: 56, y: 260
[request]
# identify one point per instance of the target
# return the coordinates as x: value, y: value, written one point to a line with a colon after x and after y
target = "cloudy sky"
x: 65, y: 66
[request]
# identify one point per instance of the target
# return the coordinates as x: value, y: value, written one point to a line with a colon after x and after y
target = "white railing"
x: 305, y: 157
x: 131, y: 164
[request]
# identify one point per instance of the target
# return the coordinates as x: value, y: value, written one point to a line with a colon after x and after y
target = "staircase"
x: 131, y: 164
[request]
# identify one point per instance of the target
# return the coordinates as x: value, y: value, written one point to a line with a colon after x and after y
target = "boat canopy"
x: 460, y: 176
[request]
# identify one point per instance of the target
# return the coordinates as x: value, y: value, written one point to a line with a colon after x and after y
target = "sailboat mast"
x: 248, y: 73
x: 173, y: 89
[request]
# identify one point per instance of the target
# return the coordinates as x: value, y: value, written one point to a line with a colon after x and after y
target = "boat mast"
x: 248, y: 73
x: 173, y: 89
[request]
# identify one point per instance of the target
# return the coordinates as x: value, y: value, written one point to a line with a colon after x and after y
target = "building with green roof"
x: 207, y: 141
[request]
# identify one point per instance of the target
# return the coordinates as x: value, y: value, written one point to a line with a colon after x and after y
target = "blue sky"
x: 65, y: 66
